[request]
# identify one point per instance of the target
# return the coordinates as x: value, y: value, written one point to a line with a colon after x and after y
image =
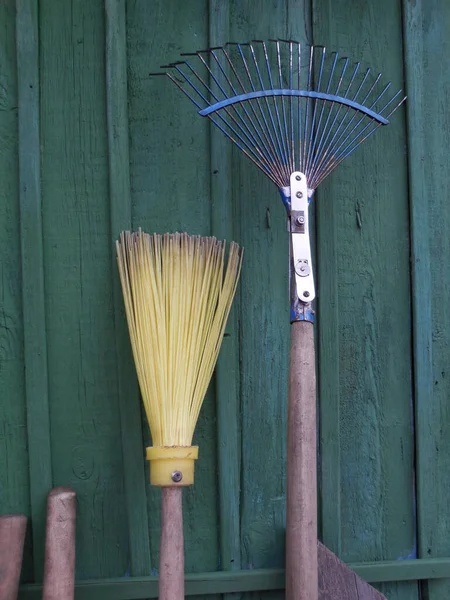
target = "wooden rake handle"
x: 171, y: 549
x: 301, y: 509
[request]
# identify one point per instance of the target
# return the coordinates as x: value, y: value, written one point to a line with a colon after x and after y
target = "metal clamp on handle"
x: 301, y: 247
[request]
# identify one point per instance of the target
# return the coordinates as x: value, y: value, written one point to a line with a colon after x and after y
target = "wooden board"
x: 102, y: 147
x: 82, y: 363
x: 264, y: 329
x: 338, y: 582
x: 367, y: 436
x: 428, y: 80
x: 170, y: 193
x: 135, y: 473
x: 14, y: 486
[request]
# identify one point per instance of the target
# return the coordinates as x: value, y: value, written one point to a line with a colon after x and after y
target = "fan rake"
x: 292, y: 109
x: 296, y: 111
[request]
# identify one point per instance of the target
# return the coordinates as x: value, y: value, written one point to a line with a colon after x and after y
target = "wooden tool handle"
x: 171, y: 549
x: 59, y: 570
x: 12, y: 535
x: 301, y: 509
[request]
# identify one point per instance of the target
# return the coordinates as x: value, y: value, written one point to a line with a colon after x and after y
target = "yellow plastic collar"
x: 172, y: 466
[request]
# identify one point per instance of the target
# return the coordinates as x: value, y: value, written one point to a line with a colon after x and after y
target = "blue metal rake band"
x: 287, y: 92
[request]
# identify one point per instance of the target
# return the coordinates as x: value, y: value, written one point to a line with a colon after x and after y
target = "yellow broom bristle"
x: 177, y: 301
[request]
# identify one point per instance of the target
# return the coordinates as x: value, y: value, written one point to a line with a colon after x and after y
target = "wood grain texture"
x: 85, y: 422
x: 170, y: 191
x: 59, y: 571
x: 14, y: 471
x: 171, y: 550
x: 264, y: 331
x: 33, y: 288
x: 426, y: 26
x: 226, y: 378
x: 78, y: 99
x: 120, y: 203
x: 328, y: 326
x: 256, y: 580
x: 301, y: 471
x: 338, y: 582
x: 12, y: 537
x: 370, y: 217
x: 264, y: 319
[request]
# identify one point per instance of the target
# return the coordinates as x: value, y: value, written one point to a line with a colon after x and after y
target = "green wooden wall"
x: 91, y: 145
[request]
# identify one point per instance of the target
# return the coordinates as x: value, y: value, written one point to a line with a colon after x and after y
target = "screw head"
x: 306, y: 294
x: 300, y: 220
x: 298, y: 178
x: 299, y: 195
x: 177, y: 476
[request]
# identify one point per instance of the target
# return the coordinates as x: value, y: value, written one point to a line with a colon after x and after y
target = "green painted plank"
x: 120, y: 202
x: 329, y: 376
x: 196, y: 585
x: 34, y: 317
x: 227, y: 370
x: 264, y: 319
x: 426, y: 27
x: 370, y: 217
x: 244, y: 581
x: 83, y: 386
x: 264, y: 331
x: 14, y: 473
x: 170, y: 185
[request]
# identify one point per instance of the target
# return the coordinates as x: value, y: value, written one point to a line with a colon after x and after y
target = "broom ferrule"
x: 172, y: 466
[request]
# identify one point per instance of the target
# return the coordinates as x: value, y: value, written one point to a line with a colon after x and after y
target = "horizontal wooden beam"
x: 222, y: 582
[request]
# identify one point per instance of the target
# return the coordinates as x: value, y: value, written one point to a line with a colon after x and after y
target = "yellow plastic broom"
x: 178, y: 294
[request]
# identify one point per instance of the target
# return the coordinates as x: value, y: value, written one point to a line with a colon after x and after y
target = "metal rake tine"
x: 242, y: 88
x: 354, y: 116
x: 243, y: 127
x: 313, y: 122
x: 329, y: 150
x: 277, y: 129
x: 305, y: 128
x: 328, y: 128
x: 291, y: 113
x: 351, y: 147
x: 269, y: 112
x: 286, y: 138
x: 257, y: 130
x: 189, y: 82
x: 328, y: 107
x: 265, y: 128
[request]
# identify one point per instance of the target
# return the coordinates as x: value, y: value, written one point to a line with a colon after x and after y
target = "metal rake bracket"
x: 289, y: 107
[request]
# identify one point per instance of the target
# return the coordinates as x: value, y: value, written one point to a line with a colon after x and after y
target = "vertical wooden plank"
x: 365, y: 201
x: 264, y: 318
x: 33, y: 292
x: 14, y: 472
x: 170, y: 188
x: 227, y: 370
x: 427, y: 44
x: 264, y: 332
x: 329, y: 374
x: 85, y: 417
x: 120, y: 202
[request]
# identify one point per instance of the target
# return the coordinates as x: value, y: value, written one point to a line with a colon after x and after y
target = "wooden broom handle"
x: 59, y: 569
x: 12, y: 535
x: 301, y: 509
x: 171, y: 549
